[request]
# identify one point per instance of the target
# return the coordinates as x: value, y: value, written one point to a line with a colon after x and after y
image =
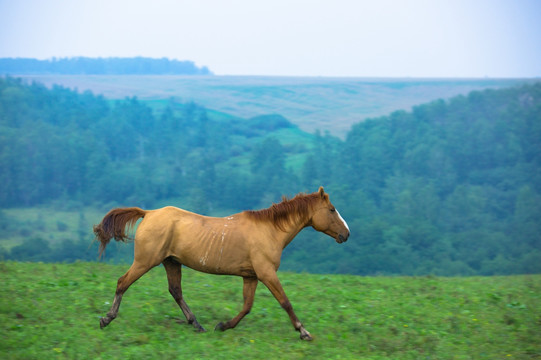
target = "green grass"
x: 53, y: 310
x: 312, y: 103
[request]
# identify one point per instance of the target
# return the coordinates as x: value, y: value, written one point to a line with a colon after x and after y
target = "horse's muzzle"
x: 341, y: 238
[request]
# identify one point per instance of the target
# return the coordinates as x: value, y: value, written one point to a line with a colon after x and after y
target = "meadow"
x: 53, y: 310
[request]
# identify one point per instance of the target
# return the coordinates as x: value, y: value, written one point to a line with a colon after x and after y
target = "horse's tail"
x: 114, y: 224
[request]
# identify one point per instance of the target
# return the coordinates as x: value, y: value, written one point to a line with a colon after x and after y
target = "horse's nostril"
x: 343, y: 238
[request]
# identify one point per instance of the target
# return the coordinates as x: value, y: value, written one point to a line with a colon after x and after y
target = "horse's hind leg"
x: 124, y: 282
x: 174, y: 277
x: 248, y: 292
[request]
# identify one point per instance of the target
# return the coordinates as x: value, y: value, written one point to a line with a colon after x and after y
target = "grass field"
x: 312, y: 103
x: 52, y: 311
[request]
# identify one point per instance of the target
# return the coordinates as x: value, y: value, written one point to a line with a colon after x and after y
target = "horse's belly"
x: 242, y: 269
x: 216, y: 257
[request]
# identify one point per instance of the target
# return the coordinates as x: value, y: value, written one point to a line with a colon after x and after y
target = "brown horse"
x: 247, y: 244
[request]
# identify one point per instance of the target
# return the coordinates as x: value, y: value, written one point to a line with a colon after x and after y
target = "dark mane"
x: 287, y: 211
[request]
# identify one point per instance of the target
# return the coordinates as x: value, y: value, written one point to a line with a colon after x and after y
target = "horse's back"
x: 203, y: 243
x: 167, y: 216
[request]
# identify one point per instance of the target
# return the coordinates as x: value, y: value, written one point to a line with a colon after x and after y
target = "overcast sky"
x: 379, y: 38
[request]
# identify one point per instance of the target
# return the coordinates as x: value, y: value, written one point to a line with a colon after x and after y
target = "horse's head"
x: 328, y: 220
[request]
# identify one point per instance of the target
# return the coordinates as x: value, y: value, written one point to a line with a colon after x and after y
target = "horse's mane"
x: 287, y: 211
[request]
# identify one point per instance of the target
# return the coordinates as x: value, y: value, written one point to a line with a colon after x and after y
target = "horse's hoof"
x: 220, y: 327
x: 200, y: 329
x: 306, y: 336
x: 103, y: 323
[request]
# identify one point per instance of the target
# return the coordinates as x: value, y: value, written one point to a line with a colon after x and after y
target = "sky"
x: 331, y: 38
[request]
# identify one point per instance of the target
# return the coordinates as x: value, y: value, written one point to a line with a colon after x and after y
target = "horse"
x: 248, y: 244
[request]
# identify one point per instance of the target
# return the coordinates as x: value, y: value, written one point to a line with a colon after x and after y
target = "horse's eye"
x: 333, y: 210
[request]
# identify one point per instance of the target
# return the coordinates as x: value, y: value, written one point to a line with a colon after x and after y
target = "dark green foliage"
x: 266, y: 123
x: 450, y: 188
x: 60, y: 144
x: 451, y: 182
x: 31, y: 249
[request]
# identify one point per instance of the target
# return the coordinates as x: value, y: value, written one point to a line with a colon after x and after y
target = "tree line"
x: 101, y: 66
x: 452, y: 187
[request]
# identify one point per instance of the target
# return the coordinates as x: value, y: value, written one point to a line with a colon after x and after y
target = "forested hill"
x: 100, y: 66
x: 452, y: 187
x: 58, y: 144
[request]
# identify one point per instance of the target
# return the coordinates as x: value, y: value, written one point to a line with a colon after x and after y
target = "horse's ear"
x: 322, y: 195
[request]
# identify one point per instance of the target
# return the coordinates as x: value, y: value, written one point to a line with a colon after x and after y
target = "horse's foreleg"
x: 174, y: 277
x: 124, y: 282
x: 271, y: 281
x: 248, y: 292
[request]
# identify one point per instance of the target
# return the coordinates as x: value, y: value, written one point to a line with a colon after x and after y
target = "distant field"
x: 312, y: 103
x: 53, y: 225
x: 53, y: 310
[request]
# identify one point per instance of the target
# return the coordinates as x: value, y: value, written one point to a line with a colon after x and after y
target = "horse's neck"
x: 294, y: 227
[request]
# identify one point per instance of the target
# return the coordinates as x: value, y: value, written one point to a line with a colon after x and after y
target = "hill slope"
x: 325, y: 104
x: 53, y: 310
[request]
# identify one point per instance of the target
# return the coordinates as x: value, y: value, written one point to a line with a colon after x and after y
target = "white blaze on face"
x: 341, y: 218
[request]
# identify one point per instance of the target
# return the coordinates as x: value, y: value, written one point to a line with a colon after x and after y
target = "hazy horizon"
x: 363, y: 39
